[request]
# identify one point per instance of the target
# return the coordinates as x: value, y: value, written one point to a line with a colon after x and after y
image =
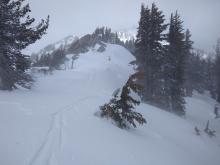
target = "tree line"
x: 172, y: 68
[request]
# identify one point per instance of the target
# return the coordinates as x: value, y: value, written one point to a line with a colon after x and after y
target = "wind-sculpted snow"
x: 54, y: 122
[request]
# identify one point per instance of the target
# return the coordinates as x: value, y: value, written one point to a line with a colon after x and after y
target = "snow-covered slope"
x: 54, y: 123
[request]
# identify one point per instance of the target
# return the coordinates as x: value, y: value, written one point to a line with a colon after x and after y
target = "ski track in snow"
x: 56, y: 131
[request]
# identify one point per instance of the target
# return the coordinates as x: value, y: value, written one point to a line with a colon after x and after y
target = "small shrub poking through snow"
x: 208, y: 131
x: 197, y: 131
x: 120, y: 109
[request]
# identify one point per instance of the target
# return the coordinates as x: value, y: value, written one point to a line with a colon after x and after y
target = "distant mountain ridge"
x: 127, y: 34
x: 75, y: 45
x: 65, y: 42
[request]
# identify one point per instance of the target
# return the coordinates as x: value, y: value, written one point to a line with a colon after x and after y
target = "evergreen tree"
x: 217, y: 69
x: 175, y: 65
x: 130, y: 45
x: 156, y: 56
x: 57, y: 58
x: 210, y: 76
x: 150, y: 51
x: 142, y: 37
x: 120, y: 109
x: 16, y: 34
x: 198, y: 72
x: 188, y: 63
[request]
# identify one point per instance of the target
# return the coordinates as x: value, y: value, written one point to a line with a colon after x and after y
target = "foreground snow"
x: 54, y: 123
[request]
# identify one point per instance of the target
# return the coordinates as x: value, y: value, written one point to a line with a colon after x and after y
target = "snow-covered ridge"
x: 54, y: 123
x: 64, y: 43
x: 84, y: 42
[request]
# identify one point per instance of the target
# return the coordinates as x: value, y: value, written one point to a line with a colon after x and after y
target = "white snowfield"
x: 54, y: 123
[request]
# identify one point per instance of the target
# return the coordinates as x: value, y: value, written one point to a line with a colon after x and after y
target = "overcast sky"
x: 78, y: 17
